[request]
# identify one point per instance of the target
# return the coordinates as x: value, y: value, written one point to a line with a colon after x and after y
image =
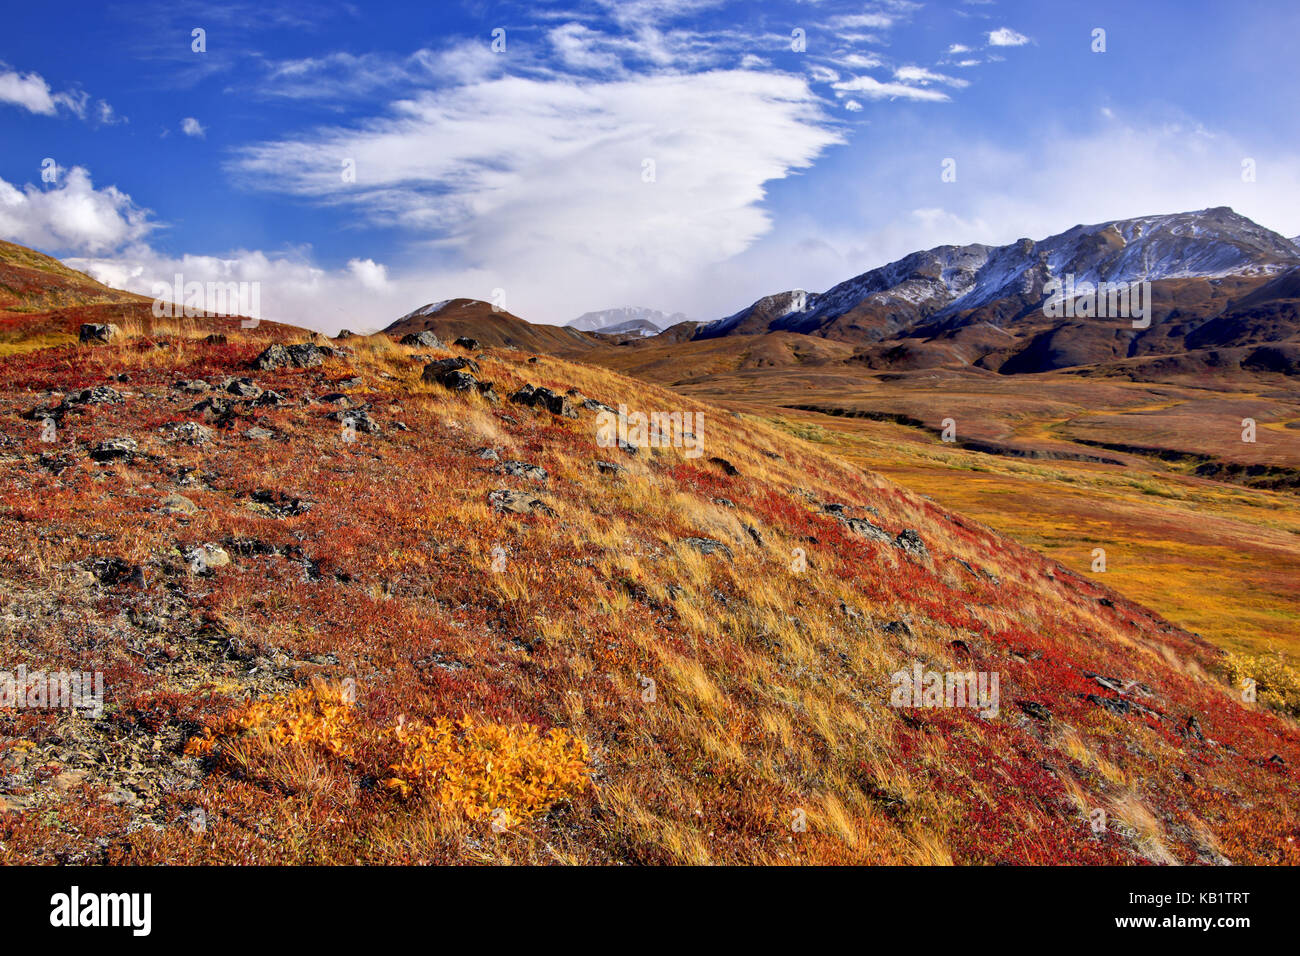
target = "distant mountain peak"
x: 637, y: 319
x: 946, y: 280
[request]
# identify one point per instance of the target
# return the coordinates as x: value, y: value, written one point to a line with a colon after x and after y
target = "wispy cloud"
x: 919, y: 74
x: 873, y: 89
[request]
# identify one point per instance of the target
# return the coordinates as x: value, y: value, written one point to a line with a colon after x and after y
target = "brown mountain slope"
x: 665, y: 659
x: 31, y: 281
x: 479, y: 320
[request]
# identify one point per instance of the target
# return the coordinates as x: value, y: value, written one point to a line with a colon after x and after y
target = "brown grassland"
x: 377, y: 662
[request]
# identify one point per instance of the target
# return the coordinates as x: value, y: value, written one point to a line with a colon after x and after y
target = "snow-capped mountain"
x: 628, y: 319
x: 948, y: 280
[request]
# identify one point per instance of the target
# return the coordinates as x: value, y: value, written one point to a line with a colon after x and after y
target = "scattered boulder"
x: 726, y: 466
x: 96, y: 333
x: 115, y: 449
x: 486, y: 453
x: 553, y: 402
x: 708, y: 546
x: 258, y: 433
x: 98, y: 395
x: 908, y: 540
x: 518, y: 502
x: 458, y: 381
x: 356, y: 418
x: 280, y: 505
x: 190, y: 433
x: 243, y: 387
x: 1035, y: 710
x: 113, y: 571
x: 610, y: 468
x: 754, y: 534
x: 465, y: 342
x: 1116, y: 705
x: 305, y: 355
x: 868, y: 530
x: 523, y: 469
x: 425, y: 339
x: 203, y: 558
x: 177, y: 505
x: 434, y: 371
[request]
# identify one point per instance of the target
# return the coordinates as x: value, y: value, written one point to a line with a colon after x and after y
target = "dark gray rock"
x: 95, y: 333
x: 523, y: 469
x: 708, y: 546
x: 553, y: 402
x: 424, y: 340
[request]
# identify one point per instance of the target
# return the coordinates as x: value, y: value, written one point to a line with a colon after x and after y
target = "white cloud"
x: 959, y: 48
x: 859, y: 61
x: 31, y: 92
x: 369, y: 273
x: 577, y: 48
x: 1005, y: 36
x: 192, y: 127
x: 72, y: 215
x: 538, y: 186
x: 853, y: 106
x: 918, y: 74
x: 874, y: 89
x: 291, y: 287
x: 862, y: 21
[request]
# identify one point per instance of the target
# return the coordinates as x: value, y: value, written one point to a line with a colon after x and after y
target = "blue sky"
x: 676, y: 154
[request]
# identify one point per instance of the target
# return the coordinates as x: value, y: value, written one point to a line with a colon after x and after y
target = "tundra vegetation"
x: 347, y: 613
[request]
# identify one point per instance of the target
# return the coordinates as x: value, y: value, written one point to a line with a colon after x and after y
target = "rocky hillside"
x: 477, y: 319
x: 950, y: 280
x: 367, y: 601
x: 1223, y: 295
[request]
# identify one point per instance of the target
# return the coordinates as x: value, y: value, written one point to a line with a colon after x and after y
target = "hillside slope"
x: 479, y: 320
x: 661, y: 658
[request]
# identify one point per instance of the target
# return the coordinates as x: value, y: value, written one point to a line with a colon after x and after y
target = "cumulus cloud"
x: 31, y: 92
x: 1005, y: 36
x: 192, y: 127
x: 27, y: 90
x: 71, y: 215
x: 291, y: 286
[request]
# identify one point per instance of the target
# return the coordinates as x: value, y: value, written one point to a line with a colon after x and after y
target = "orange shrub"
x: 483, y: 768
x: 314, y: 718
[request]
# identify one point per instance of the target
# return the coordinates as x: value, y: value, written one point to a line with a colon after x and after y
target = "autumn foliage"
x: 482, y: 768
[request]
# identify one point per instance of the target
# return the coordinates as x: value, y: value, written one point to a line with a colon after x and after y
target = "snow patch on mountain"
x: 627, y: 319
x: 1208, y: 243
